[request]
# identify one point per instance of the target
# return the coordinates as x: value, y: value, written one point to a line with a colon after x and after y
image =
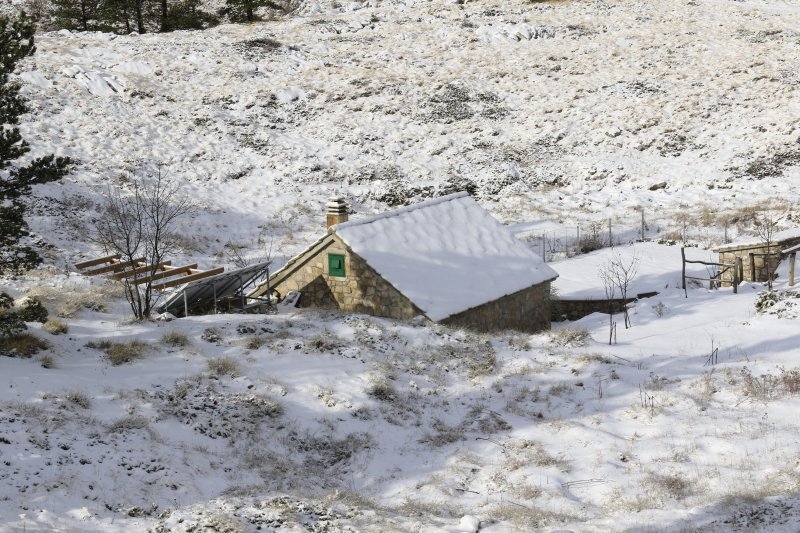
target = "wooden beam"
x: 116, y: 267
x: 190, y: 277
x: 167, y: 273
x: 100, y: 261
x: 138, y: 270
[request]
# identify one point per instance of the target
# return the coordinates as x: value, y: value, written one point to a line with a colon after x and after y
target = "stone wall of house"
x: 361, y: 290
x: 527, y: 310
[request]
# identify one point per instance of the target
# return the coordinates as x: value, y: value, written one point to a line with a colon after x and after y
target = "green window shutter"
x: 336, y: 265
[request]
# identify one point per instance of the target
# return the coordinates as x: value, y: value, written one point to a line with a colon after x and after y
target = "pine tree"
x: 76, y: 14
x: 244, y: 10
x: 16, y: 43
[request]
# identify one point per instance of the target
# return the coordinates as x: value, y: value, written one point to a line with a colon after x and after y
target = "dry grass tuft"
x: 23, y: 345
x: 570, y: 337
x: 119, y: 353
x: 224, y: 366
x: 55, y: 327
x: 79, y: 398
x: 175, y: 338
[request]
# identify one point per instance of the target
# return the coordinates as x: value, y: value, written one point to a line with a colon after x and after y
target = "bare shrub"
x: 175, y: 338
x: 382, y: 391
x: 770, y: 387
x: 596, y: 358
x: 443, y: 435
x: 422, y: 509
x: 79, y: 398
x: 570, y: 337
x: 254, y: 342
x: 559, y: 389
x: 55, y: 327
x: 672, y: 485
x: 120, y: 353
x: 47, y: 361
x: 528, y: 518
x: 790, y: 380
x: 528, y: 452
x: 67, y: 303
x: 212, y: 335
x: 224, y: 366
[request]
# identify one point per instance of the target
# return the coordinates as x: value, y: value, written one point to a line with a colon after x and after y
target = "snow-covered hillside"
x: 562, y: 110
x: 552, y: 114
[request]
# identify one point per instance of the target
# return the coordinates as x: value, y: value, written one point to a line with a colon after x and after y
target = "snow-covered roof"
x: 445, y: 255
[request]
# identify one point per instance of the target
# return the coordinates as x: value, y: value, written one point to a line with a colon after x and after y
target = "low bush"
x: 32, y: 310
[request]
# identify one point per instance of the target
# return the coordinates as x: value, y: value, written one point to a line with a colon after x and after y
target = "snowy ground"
x: 557, y: 114
x: 308, y: 420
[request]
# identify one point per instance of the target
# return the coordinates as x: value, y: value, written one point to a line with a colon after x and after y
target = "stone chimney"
x: 336, y: 211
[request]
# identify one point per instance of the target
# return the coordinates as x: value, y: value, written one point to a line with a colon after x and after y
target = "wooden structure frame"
x: 115, y: 268
x: 716, y: 280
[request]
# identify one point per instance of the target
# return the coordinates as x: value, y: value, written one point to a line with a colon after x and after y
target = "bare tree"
x: 604, y: 272
x: 616, y: 274
x: 766, y: 224
x: 140, y: 227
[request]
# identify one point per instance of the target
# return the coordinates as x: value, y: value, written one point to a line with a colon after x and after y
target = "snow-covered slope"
x: 571, y: 110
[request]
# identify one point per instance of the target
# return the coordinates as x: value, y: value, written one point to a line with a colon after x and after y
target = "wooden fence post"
x: 736, y: 265
x: 683, y: 268
x: 791, y: 268
x: 752, y: 257
x: 740, y: 264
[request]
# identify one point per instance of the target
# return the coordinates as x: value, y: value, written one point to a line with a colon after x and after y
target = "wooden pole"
x: 740, y: 264
x: 683, y: 268
x: 737, y: 274
x: 791, y: 268
x: 643, y: 224
x: 610, y: 237
x: 752, y: 257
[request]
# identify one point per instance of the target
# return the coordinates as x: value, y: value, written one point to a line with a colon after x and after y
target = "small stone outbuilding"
x: 757, y: 258
x: 446, y: 259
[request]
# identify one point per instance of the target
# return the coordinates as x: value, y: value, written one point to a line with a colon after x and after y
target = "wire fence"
x: 568, y: 241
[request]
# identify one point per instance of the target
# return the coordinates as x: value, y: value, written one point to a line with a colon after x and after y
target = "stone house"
x: 758, y: 259
x: 446, y: 259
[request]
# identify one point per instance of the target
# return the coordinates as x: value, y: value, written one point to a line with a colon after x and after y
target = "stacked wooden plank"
x: 138, y: 271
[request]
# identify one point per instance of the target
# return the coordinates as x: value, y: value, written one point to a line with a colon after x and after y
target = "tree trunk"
x: 164, y: 23
x: 139, y: 17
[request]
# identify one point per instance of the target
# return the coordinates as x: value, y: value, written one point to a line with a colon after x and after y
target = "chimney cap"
x: 337, y: 204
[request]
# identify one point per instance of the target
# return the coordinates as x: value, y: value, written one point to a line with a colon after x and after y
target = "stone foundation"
x: 527, y: 310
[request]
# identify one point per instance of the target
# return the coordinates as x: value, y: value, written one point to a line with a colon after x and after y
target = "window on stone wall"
x: 336, y: 265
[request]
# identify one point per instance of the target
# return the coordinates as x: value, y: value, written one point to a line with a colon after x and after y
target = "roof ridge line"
x: 400, y: 210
